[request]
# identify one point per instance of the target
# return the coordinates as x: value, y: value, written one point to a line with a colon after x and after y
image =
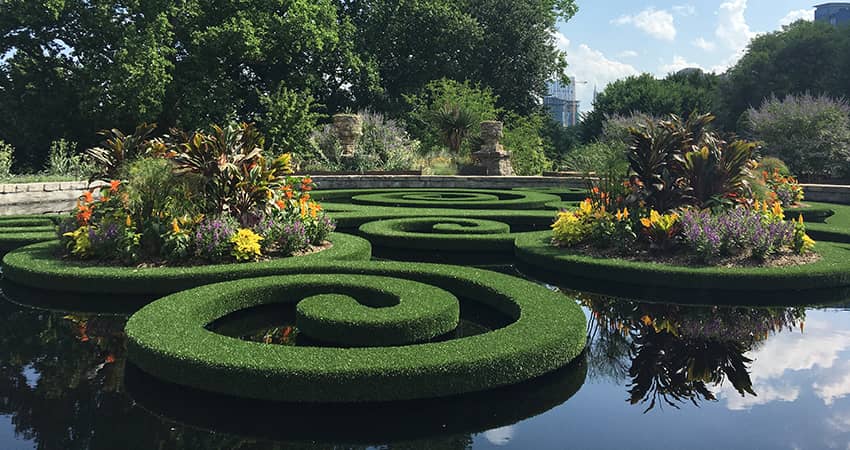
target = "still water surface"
x: 654, y: 376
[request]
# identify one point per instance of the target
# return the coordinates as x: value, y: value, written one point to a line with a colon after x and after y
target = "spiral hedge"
x: 440, y: 234
x: 835, y: 228
x: 397, y: 312
x: 169, y: 339
x: 535, y: 250
x: 33, y: 265
x: 18, y: 231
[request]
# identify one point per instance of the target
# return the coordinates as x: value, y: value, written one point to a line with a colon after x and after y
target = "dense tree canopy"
x: 71, y: 67
x: 805, y: 57
x: 680, y: 94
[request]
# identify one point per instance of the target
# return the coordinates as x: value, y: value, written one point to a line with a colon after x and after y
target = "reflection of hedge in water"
x: 168, y: 338
x: 32, y: 265
x: 673, y: 353
x: 18, y: 231
x: 430, y: 422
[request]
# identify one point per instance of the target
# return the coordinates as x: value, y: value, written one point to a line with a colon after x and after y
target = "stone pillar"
x: 348, y: 129
x: 492, y: 157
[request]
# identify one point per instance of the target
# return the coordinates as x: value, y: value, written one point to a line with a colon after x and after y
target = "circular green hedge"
x: 836, y: 227
x: 566, y: 194
x: 811, y: 212
x: 169, y: 340
x: 440, y: 233
x: 18, y: 231
x: 448, y: 198
x: 363, y: 311
x: 38, y: 266
x: 831, y: 271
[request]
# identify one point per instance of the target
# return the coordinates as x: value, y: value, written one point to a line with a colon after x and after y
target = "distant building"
x: 561, y: 103
x: 833, y: 13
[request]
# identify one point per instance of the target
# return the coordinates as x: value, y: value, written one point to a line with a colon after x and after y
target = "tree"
x: 681, y: 94
x: 507, y: 46
x: 76, y: 66
x: 811, y: 134
x: 803, y: 57
x: 523, y: 139
x: 447, y: 113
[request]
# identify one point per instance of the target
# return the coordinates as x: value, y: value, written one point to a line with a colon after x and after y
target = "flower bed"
x: 35, y: 265
x: 168, y: 339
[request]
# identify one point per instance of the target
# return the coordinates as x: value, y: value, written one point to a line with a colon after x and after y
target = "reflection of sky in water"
x: 8, y: 438
x: 803, y: 386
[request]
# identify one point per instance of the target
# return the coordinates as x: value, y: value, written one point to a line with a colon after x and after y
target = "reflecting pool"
x: 654, y: 375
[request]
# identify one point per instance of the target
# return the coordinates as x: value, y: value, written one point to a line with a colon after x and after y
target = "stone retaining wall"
x: 42, y: 198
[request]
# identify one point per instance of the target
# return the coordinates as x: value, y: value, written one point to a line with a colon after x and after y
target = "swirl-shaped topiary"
x: 18, y: 231
x: 169, y: 339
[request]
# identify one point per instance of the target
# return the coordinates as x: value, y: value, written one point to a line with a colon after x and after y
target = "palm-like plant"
x: 454, y: 123
x: 117, y: 150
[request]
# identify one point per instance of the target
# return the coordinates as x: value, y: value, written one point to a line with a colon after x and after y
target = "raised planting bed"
x: 38, y: 266
x: 832, y: 270
x: 169, y: 339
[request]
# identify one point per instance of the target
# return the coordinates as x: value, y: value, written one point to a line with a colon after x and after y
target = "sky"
x: 612, y: 39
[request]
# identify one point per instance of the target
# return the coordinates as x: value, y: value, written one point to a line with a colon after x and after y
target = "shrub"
x: 384, y: 145
x: 597, y: 157
x: 811, y: 134
x: 63, y: 160
x: 6, y: 159
x: 288, y: 121
x: 212, y: 238
x: 522, y: 138
x: 246, y: 245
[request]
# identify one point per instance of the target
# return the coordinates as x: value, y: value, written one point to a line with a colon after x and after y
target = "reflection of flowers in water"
x: 672, y: 354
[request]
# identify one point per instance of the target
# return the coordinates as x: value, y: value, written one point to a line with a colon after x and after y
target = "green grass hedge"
x: 38, y: 266
x: 566, y: 194
x: 836, y: 227
x: 21, y: 230
x: 434, y: 199
x: 811, y: 212
x: 440, y: 234
x: 364, y: 311
x: 831, y: 271
x: 168, y: 340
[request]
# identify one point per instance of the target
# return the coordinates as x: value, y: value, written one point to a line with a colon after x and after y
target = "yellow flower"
x: 646, y: 320
x: 175, y: 226
x: 586, y: 207
x: 246, y: 245
x: 129, y: 221
x: 800, y: 219
x: 622, y: 215
x: 777, y: 211
x: 808, y: 243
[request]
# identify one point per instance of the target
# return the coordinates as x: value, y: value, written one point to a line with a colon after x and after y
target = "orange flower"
x: 109, y: 359
x: 281, y: 204
x: 113, y: 185
x: 646, y: 320
x: 83, y: 214
x: 305, y: 196
x: 88, y: 196
x: 287, y: 331
x: 307, y: 180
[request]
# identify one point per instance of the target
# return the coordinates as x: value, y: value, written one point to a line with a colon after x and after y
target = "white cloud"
x: 766, y: 394
x: 685, y: 10
x: 627, y: 54
x: 592, y: 69
x: 656, y: 23
x: 500, y: 436
x: 835, y: 386
x: 678, y: 64
x: 793, y: 16
x: 733, y: 31
x: 705, y: 44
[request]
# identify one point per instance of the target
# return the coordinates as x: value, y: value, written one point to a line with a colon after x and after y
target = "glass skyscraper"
x: 561, y: 102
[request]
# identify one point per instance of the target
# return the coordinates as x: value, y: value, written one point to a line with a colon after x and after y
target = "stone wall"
x: 43, y: 198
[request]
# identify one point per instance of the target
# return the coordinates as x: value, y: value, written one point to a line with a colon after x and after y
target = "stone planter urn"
x: 348, y: 129
x: 492, y: 159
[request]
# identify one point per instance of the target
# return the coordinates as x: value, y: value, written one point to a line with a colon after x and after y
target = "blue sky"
x: 611, y: 39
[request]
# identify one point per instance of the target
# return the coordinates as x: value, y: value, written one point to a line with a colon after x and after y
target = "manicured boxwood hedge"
x: 837, y: 226
x: 831, y: 271
x: 811, y: 212
x: 39, y: 266
x: 434, y: 199
x: 20, y: 230
x: 445, y: 234
x: 363, y: 311
x: 168, y: 339
x: 566, y: 194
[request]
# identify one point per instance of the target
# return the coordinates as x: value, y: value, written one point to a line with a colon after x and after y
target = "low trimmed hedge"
x: 21, y: 230
x: 168, y: 340
x: 831, y: 271
x: 39, y: 265
x: 566, y: 194
x: 434, y: 199
x: 436, y: 233
x: 811, y: 212
x: 836, y: 227
x: 364, y: 311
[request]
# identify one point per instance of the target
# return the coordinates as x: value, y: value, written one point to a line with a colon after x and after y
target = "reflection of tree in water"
x: 674, y: 354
